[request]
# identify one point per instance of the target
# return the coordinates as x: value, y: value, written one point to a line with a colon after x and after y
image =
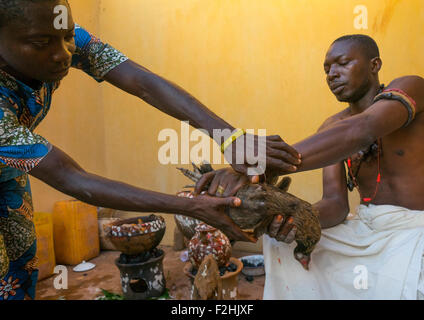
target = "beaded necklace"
x: 352, y: 178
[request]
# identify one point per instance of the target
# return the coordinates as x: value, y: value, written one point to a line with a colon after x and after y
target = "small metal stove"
x: 140, y: 278
x: 140, y: 262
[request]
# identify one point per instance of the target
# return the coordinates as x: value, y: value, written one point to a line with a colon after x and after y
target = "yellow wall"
x: 258, y: 64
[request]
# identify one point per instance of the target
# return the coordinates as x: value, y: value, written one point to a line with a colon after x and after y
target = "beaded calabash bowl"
x: 136, y: 235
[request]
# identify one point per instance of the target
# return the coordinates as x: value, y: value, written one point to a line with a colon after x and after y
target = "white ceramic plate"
x: 253, y: 265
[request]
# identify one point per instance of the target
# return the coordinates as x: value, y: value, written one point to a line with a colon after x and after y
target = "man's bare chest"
x: 393, y: 157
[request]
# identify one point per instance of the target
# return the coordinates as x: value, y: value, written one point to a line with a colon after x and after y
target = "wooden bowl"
x: 132, y: 237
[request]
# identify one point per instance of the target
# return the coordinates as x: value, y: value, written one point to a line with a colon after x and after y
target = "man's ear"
x: 376, y: 64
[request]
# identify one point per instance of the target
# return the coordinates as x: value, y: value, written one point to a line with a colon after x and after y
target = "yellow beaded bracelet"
x: 232, y: 138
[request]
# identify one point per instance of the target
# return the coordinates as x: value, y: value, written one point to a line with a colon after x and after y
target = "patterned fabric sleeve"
x: 19, y: 147
x: 93, y: 56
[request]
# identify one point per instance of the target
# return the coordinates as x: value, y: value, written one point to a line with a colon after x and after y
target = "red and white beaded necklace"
x: 352, y: 178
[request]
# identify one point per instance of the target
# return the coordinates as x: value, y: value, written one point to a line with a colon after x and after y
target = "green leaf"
x: 164, y: 296
x: 110, y: 296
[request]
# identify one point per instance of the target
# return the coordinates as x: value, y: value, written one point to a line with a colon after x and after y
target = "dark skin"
x: 35, y: 52
x: 352, y: 76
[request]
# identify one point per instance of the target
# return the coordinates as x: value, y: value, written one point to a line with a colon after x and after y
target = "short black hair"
x: 367, y: 43
x: 14, y: 9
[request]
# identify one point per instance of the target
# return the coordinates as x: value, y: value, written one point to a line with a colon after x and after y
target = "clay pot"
x: 209, y: 240
x: 136, y: 235
x: 185, y: 224
x: 229, y: 279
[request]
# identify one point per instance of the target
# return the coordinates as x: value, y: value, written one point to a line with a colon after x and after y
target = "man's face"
x: 34, y: 49
x: 348, y: 71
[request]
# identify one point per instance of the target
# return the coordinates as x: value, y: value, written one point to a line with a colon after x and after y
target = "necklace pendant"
x: 350, y: 184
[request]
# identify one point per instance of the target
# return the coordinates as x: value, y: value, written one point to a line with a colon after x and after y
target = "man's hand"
x: 276, y: 155
x: 282, y: 230
x: 222, y: 183
x: 212, y: 211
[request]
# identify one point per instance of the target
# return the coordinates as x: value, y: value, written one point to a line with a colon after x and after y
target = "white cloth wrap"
x: 376, y: 255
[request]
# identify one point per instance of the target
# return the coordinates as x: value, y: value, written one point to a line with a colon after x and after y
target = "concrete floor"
x: 88, y: 285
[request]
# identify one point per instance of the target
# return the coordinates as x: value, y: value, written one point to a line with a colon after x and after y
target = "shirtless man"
x: 379, y: 136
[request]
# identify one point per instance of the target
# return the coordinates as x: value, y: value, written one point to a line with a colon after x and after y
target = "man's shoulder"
x: 413, y: 86
x: 8, y: 109
x: 5, y: 102
x: 407, y: 80
x: 335, y: 117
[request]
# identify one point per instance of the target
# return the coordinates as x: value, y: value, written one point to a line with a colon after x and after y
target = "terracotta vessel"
x: 209, y: 240
x: 185, y: 224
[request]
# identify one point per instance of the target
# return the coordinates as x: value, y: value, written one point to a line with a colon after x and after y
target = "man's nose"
x: 63, y: 53
x: 332, y: 73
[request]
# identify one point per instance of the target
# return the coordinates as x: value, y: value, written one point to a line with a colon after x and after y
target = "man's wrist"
x: 233, y: 137
x: 220, y: 138
x: 188, y: 206
x: 194, y: 208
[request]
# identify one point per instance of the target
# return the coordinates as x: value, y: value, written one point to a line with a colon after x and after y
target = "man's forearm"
x: 99, y: 191
x: 175, y: 101
x: 333, y: 145
x: 165, y: 96
x: 62, y: 173
x: 331, y: 212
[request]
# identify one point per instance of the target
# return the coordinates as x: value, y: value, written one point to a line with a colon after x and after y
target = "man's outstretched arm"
x: 165, y: 96
x: 348, y: 136
x: 340, y: 139
x: 59, y: 171
x: 176, y: 102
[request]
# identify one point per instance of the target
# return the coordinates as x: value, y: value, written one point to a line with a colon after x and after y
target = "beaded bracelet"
x: 401, y: 96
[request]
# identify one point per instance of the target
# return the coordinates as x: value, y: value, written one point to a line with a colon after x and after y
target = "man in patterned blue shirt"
x: 34, y: 57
